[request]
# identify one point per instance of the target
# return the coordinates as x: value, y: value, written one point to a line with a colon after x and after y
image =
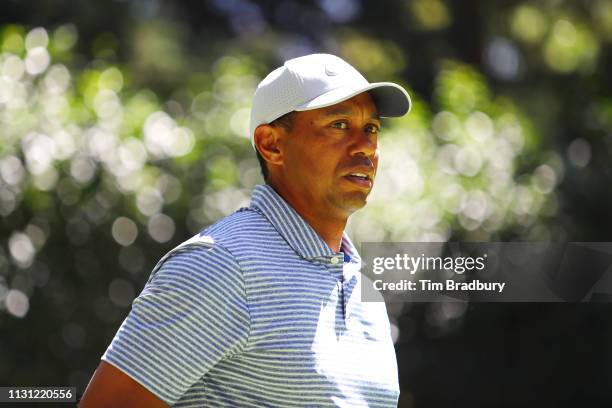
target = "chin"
x: 355, y: 201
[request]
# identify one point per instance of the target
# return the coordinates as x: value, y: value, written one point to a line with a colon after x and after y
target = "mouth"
x: 361, y: 179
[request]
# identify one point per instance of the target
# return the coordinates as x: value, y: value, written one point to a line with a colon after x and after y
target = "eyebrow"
x: 347, y: 112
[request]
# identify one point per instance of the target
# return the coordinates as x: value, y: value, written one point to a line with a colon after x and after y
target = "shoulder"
x: 223, y: 246
x: 196, y: 263
x: 209, y: 241
x: 243, y: 232
x: 241, y: 223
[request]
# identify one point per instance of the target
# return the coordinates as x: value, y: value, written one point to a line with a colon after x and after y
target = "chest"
x: 309, y: 321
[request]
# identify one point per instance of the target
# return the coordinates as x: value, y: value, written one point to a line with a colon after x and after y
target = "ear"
x: 269, y: 142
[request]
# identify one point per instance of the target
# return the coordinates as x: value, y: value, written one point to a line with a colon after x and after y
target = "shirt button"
x: 335, y: 260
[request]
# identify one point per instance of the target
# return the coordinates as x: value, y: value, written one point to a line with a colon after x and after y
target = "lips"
x: 360, y: 175
x: 362, y: 178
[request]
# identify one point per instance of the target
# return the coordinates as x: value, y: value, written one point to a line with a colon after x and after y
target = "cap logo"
x: 330, y: 70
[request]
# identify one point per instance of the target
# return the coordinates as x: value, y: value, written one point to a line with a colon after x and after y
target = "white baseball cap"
x: 316, y: 81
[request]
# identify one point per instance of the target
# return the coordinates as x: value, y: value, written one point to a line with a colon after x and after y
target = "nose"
x: 364, y: 143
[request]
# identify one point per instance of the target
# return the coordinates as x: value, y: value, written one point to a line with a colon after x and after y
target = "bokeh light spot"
x: 579, y: 152
x: 161, y: 228
x: 37, y: 60
x: 38, y: 37
x: 17, y: 303
x: 21, y: 249
x: 124, y: 231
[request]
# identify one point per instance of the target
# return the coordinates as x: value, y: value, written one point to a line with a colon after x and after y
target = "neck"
x: 328, y: 227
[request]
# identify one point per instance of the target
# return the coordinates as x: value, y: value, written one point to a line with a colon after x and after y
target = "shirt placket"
x: 336, y: 266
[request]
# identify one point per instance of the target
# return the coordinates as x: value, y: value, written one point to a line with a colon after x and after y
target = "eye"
x: 340, y: 125
x: 372, y: 129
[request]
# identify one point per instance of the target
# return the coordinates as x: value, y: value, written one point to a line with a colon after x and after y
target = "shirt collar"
x: 291, y: 226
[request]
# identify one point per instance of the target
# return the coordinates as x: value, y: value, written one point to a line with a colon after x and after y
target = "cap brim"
x: 391, y: 99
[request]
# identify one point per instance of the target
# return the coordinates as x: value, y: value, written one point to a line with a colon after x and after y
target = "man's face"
x: 331, y: 156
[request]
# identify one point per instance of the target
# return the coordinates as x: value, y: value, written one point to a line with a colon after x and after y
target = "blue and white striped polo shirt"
x: 258, y: 311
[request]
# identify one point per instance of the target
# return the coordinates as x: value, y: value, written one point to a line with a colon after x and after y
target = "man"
x: 260, y: 309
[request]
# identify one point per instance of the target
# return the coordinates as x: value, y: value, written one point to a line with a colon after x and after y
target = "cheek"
x: 375, y: 163
x: 306, y: 165
x: 312, y: 160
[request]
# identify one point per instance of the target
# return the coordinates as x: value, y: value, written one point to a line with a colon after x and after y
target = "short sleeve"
x: 191, y: 314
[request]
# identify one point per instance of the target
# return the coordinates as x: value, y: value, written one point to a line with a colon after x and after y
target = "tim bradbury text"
x: 429, y: 285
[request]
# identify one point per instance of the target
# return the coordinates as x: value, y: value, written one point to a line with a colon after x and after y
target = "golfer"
x: 262, y: 309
